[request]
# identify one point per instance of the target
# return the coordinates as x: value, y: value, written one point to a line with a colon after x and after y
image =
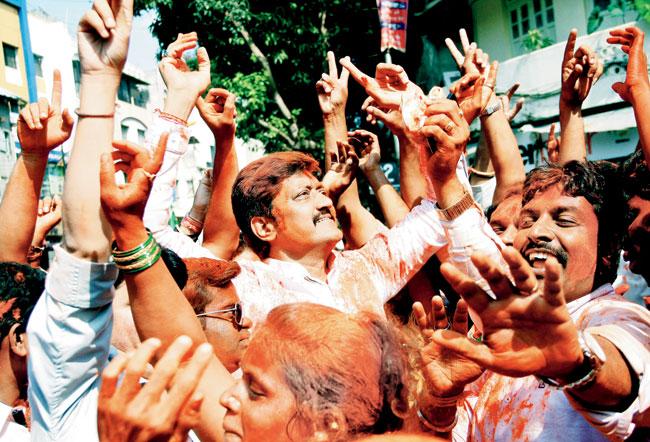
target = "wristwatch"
x: 457, y: 208
x: 594, y: 358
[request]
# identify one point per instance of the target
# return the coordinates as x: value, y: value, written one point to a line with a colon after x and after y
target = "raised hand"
x: 177, y: 74
x: 165, y: 408
x: 448, y: 134
x: 580, y: 71
x: 219, y: 112
x: 49, y: 215
x: 103, y: 37
x: 332, y: 89
x: 41, y: 126
x: 124, y: 203
x: 631, y: 40
x: 527, y: 330
x: 367, y: 146
x: 553, y: 146
x: 445, y: 372
x: 471, y: 60
x: 506, y: 101
x: 343, y: 168
x: 388, y: 86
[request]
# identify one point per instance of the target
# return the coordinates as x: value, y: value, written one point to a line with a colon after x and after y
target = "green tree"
x: 270, y: 54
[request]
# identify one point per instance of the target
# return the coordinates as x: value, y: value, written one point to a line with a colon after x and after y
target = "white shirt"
x: 10, y: 431
x: 501, y: 408
x: 362, y: 279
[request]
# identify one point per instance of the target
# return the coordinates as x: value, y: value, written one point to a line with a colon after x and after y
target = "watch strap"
x: 458, y: 208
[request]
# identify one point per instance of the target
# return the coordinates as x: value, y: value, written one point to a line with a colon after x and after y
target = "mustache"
x: 321, y: 212
x: 561, y: 254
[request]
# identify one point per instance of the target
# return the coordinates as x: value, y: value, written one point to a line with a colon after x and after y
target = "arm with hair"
x: 220, y: 231
x: 636, y: 88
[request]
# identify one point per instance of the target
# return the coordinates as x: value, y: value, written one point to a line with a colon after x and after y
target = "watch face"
x: 594, y: 346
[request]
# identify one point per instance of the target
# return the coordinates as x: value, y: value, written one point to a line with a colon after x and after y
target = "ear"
x: 18, y: 340
x: 263, y: 228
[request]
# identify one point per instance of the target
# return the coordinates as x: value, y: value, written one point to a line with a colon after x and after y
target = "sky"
x: 143, y: 47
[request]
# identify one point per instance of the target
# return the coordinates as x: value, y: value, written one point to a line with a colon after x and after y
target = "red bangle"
x: 191, y: 225
x: 170, y: 117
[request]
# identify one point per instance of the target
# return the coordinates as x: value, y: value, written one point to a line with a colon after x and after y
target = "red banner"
x: 393, y: 16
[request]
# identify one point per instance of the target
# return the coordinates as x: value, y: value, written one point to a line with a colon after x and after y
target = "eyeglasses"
x: 236, y: 310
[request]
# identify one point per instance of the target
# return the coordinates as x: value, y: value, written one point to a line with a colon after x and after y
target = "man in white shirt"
x: 565, y: 357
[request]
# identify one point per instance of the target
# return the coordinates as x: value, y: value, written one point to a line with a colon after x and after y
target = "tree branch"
x: 289, y: 141
x: 261, y: 57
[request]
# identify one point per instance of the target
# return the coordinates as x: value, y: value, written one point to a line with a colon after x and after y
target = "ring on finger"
x: 449, y: 127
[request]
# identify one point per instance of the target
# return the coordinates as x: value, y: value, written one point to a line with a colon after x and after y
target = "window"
x: 38, y: 65
x: 125, y: 131
x: 10, y: 55
x: 526, y: 15
x: 76, y: 71
x: 133, y: 91
x: 140, y: 136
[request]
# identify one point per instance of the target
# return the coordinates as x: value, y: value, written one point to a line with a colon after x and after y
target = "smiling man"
x: 566, y: 358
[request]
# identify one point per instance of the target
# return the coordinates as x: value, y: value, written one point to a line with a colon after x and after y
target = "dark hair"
x: 596, y: 182
x: 635, y: 176
x: 258, y: 184
x: 203, y: 273
x: 493, y: 207
x: 20, y: 288
x: 174, y: 264
x: 345, y: 369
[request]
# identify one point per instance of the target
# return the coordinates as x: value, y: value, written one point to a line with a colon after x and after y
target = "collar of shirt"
x: 576, y: 305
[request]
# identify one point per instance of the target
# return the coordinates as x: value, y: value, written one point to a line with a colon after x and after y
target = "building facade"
x: 528, y: 38
x: 17, y: 78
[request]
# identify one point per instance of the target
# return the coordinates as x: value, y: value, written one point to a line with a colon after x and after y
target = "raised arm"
x: 413, y: 184
x: 636, y: 88
x: 41, y: 128
x: 392, y: 205
x: 70, y: 329
x: 580, y: 71
x: 155, y: 298
x: 220, y: 230
x: 358, y: 224
x: 183, y: 89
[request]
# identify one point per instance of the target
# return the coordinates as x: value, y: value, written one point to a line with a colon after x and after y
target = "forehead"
x: 554, y: 199
x: 297, y: 181
x: 508, y: 209
x: 222, y: 297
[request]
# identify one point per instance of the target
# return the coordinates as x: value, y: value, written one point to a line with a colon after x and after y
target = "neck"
x: 9, y: 390
x: 314, y: 260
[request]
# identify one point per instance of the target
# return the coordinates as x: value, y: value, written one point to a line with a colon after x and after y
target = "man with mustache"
x: 565, y: 358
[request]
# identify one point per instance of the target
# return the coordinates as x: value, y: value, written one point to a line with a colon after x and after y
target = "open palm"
x: 527, y: 329
x: 445, y: 371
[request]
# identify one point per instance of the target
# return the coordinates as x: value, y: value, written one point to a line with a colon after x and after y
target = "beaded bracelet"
x: 172, y: 118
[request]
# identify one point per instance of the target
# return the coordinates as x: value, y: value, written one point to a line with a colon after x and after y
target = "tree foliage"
x: 270, y: 54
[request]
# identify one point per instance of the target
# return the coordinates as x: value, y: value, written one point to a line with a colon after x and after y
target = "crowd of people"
x: 275, y: 311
